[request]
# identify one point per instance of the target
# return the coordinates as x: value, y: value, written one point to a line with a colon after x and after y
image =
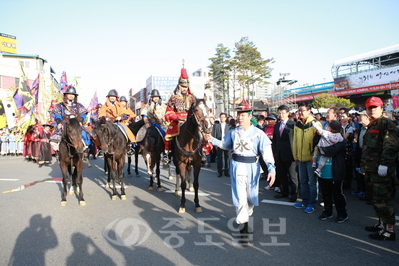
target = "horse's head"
x: 104, y: 134
x: 73, y: 134
x: 202, y: 114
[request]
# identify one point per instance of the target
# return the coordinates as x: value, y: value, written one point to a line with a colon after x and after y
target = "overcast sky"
x: 118, y: 44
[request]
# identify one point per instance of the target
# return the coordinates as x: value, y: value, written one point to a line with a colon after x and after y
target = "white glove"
x: 382, y: 170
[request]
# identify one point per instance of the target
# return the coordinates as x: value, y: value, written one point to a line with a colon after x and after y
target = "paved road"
x: 146, y: 229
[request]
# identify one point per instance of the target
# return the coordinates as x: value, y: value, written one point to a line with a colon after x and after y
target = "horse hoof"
x: 107, y: 185
x: 176, y: 193
x: 156, y: 179
x: 71, y: 192
x: 63, y: 203
x: 170, y: 177
x: 182, y: 210
x: 114, y: 197
x: 198, y: 209
x: 129, y: 175
x: 82, y: 203
x: 150, y: 188
x: 191, y: 189
x: 159, y: 189
x: 138, y: 175
x: 89, y: 166
x: 123, y: 197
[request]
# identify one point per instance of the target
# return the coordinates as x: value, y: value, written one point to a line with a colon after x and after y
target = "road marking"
x: 117, y: 186
x: 364, y: 242
x: 8, y: 179
x: 190, y: 193
x: 278, y: 202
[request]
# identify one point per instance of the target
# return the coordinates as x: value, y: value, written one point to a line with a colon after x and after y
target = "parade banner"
x: 395, y: 99
x: 8, y: 43
x: 368, y: 79
x: 63, y: 82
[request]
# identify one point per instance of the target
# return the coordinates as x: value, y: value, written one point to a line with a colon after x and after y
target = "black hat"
x: 155, y: 93
x: 71, y: 90
x: 112, y: 93
x: 243, y: 107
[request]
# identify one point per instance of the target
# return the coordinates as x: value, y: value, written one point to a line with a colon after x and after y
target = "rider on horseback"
x: 114, y: 111
x: 69, y: 107
x: 153, y: 113
x: 176, y: 111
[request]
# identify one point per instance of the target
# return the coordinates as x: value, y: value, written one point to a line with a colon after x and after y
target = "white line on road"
x: 7, y: 179
x: 278, y: 202
x: 117, y: 186
x: 189, y: 193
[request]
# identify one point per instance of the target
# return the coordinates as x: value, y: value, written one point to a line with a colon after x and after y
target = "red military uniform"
x: 177, y: 108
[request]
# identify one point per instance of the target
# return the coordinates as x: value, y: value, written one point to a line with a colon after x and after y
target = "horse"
x: 187, y: 146
x: 113, y: 144
x: 71, y: 158
x: 153, y: 148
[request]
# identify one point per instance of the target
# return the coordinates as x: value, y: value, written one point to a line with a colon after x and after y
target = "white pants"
x: 244, y: 209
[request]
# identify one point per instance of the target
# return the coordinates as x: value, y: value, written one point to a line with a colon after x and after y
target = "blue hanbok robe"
x: 249, y: 143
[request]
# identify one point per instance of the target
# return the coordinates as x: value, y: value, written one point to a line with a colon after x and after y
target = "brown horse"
x: 187, y: 148
x: 71, y: 158
x: 113, y: 144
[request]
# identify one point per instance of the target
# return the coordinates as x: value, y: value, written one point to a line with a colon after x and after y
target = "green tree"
x: 325, y: 100
x: 219, y: 72
x: 250, y: 66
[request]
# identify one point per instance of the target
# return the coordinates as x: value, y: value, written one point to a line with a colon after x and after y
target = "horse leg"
x: 170, y: 177
x: 79, y: 182
x: 136, y: 161
x: 64, y: 182
x: 158, y: 172
x: 177, y: 187
x: 189, y: 179
x: 73, y: 181
x: 113, y: 172
x: 105, y: 165
x: 197, y: 169
x: 107, y: 171
x: 122, y: 176
x: 182, y: 208
x: 129, y: 162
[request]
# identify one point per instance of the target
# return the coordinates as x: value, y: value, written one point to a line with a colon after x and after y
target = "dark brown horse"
x: 187, y: 147
x: 113, y: 144
x: 153, y: 147
x: 71, y: 158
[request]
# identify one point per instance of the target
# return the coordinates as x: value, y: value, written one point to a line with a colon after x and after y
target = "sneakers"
x: 317, y: 172
x: 314, y: 166
x: 277, y: 189
x: 361, y: 194
x: 309, y: 209
x: 266, y: 188
x: 341, y: 220
x: 324, y: 216
x: 299, y: 205
x: 383, y: 235
x: 374, y: 228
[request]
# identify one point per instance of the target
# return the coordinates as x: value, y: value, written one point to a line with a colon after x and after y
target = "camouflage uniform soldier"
x: 380, y: 151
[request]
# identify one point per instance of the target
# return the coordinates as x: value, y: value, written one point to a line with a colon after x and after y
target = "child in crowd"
x: 329, y: 137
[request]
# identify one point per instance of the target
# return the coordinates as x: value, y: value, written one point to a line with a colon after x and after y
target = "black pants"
x: 223, y: 159
x: 333, y: 192
x: 287, y: 177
